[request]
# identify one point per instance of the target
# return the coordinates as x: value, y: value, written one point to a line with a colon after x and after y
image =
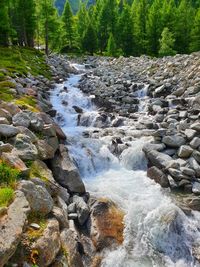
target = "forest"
x: 108, y: 27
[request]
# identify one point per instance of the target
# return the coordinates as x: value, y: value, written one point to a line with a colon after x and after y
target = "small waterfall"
x: 157, y: 232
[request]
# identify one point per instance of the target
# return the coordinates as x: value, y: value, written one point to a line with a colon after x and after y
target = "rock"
x: 21, y: 119
x: 158, y: 176
x: 106, y: 225
x: 39, y: 169
x: 194, y: 203
x: 63, y: 193
x: 45, y: 151
x: 190, y: 133
x: 194, y: 165
x: 35, y: 226
x: 62, y: 205
x: 38, y: 197
x: 4, y: 121
x: 196, y: 156
x: 158, y: 159
x: 48, y: 245
x: 59, y: 132
x: 6, y: 147
x: 196, y: 188
x: 65, y: 172
x: 196, y: 126
x: 24, y: 147
x: 72, y: 208
x: 15, y: 162
x: 10, y: 107
x: 185, y: 151
x: 6, y: 114
x: 174, y: 141
x: 60, y: 261
x: 8, y: 130
x: 188, y: 171
x: 37, y: 123
x: 26, y: 131
x: 78, y: 110
x: 81, y: 209
x: 71, y: 244
x: 60, y: 217
x: 195, y: 143
x: 11, y: 227
x: 150, y: 146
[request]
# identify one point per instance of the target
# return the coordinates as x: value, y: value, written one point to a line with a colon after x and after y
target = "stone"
x: 6, y: 147
x: 158, y: 176
x: 158, y: 159
x: 65, y: 172
x: 15, y: 162
x: 10, y: 107
x: 174, y: 140
x: 195, y: 143
x: 71, y: 244
x: 39, y: 169
x: 60, y: 217
x: 37, y: 123
x: 12, y: 225
x: 38, y: 197
x: 24, y: 148
x: 45, y: 151
x: 63, y: 193
x: 48, y: 245
x: 26, y: 131
x: 190, y: 133
x: 196, y: 156
x: 194, y: 203
x: 175, y: 174
x: 196, y: 188
x: 185, y: 151
x: 72, y: 208
x: 196, y: 126
x: 187, y: 171
x: 21, y: 119
x: 8, y: 130
x: 60, y: 261
x: 6, y: 114
x: 35, y: 226
x: 4, y: 121
x: 63, y: 206
x: 194, y: 165
x: 82, y: 209
x: 151, y: 146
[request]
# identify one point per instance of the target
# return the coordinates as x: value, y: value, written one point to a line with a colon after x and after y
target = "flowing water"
x: 157, y: 232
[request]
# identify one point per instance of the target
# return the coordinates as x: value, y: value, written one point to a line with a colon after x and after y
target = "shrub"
x: 8, y: 175
x: 6, y: 196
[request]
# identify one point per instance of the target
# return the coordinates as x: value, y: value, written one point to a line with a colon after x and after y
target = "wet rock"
x: 78, y: 110
x: 158, y: 176
x: 174, y: 141
x: 81, y: 209
x: 48, y: 245
x: 38, y: 197
x: 158, y: 159
x: 8, y: 130
x: 11, y: 227
x: 65, y: 172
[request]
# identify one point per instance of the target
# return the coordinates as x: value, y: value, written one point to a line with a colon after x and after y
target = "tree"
x: 111, y: 46
x: 125, y: 31
x: 69, y: 27
x: 154, y: 27
x: 195, y: 33
x: 90, y: 39
x: 167, y: 43
x: 82, y: 21
x: 4, y: 25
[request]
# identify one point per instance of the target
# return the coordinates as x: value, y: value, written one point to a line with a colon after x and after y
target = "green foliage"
x: 6, y: 196
x: 111, y: 47
x: 167, y: 43
x: 195, y: 33
x: 5, y: 23
x: 90, y: 40
x: 8, y: 175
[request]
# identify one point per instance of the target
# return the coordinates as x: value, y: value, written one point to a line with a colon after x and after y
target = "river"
x: 156, y: 231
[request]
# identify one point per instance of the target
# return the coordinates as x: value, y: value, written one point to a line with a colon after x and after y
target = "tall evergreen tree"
x: 90, y: 40
x: 4, y: 24
x: 167, y: 43
x: 69, y: 26
x: 82, y: 21
x: 195, y: 33
x: 111, y: 46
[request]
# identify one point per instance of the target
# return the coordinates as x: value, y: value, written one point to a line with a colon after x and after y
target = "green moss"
x: 35, y: 217
x: 6, y: 196
x: 5, y: 93
x: 8, y: 175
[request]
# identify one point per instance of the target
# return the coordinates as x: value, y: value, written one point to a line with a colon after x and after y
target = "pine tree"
x: 169, y: 14
x: 82, y: 21
x: 111, y: 46
x: 4, y: 24
x: 167, y: 43
x: 184, y: 22
x: 195, y: 33
x: 90, y: 40
x: 154, y: 27
x: 69, y: 26
x: 125, y: 31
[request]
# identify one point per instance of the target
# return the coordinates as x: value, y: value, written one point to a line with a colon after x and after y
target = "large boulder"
x: 38, y: 197
x: 65, y: 172
x: 8, y: 130
x: 21, y: 119
x: 45, y: 151
x: 158, y: 159
x: 24, y: 148
x: 82, y: 209
x: 185, y: 151
x: 48, y: 245
x: 11, y: 227
x: 158, y: 176
x: 174, y: 140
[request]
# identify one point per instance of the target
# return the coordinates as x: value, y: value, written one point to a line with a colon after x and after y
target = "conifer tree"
x: 167, y: 43
x: 90, y: 40
x: 82, y: 21
x: 111, y: 46
x: 195, y: 33
x: 4, y: 23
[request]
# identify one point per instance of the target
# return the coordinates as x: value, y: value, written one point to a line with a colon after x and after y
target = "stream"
x: 157, y: 232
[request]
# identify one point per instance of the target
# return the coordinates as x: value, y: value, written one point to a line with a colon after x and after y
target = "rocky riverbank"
x: 161, y: 98
x: 45, y: 225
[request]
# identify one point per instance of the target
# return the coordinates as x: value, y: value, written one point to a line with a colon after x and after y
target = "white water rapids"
x: 157, y: 232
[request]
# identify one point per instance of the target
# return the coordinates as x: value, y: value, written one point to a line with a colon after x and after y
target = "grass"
x: 35, y: 217
x: 27, y: 102
x: 8, y: 175
x: 6, y: 196
x: 5, y: 90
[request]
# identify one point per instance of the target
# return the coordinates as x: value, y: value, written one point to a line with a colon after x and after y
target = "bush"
x: 6, y: 196
x: 8, y: 175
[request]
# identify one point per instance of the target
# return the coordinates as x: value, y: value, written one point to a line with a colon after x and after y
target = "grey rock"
x: 196, y: 155
x: 195, y: 143
x: 38, y: 197
x: 4, y: 121
x: 174, y: 141
x: 24, y: 147
x: 196, y: 126
x: 190, y: 133
x: 196, y: 188
x: 8, y: 130
x: 158, y: 159
x: 158, y: 176
x: 194, y: 165
x: 185, y: 151
x: 81, y: 209
x: 21, y: 119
